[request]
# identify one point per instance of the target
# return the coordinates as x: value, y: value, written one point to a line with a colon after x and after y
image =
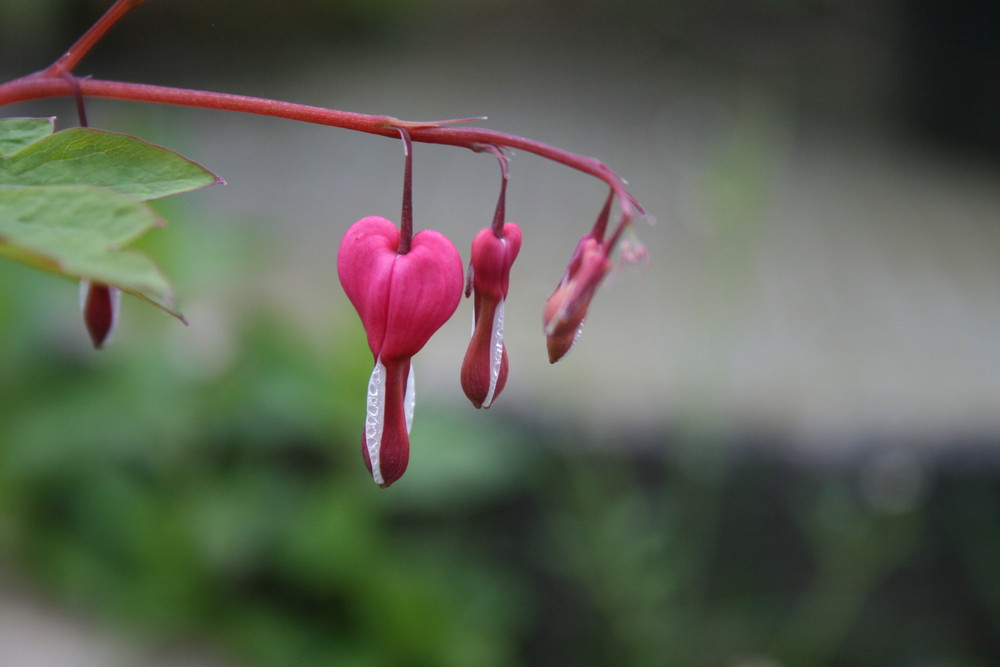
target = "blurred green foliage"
x: 179, y: 495
x: 191, y: 485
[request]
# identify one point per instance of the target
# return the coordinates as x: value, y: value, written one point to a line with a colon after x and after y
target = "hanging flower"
x: 484, y: 370
x: 402, y: 300
x: 566, y: 309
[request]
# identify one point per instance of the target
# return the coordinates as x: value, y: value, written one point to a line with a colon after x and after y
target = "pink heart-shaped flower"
x: 402, y: 299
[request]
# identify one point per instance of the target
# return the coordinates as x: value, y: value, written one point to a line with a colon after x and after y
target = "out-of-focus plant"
x: 764, y: 561
x: 220, y: 503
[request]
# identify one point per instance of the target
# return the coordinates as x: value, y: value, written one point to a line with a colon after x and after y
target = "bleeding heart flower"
x: 402, y: 300
x: 100, y: 304
x: 484, y: 370
x: 567, y: 307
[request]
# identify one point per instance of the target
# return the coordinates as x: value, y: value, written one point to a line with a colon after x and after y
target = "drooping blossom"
x: 484, y: 370
x: 402, y: 300
x: 566, y: 309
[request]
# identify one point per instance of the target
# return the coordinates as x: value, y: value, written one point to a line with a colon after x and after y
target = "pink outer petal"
x: 566, y: 309
x: 492, y: 258
x: 401, y: 299
x: 425, y: 291
x: 365, y: 264
x: 481, y: 358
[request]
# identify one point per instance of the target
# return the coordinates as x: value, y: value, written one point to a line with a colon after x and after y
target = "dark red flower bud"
x: 100, y: 304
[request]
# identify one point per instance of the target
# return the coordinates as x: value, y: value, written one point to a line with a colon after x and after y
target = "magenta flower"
x: 566, y: 309
x: 402, y: 300
x: 100, y: 304
x: 484, y: 370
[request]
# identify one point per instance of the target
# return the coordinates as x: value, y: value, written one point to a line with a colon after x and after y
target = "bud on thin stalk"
x: 485, y: 367
x: 566, y: 309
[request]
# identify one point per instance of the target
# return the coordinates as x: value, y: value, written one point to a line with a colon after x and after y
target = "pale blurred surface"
x: 35, y: 634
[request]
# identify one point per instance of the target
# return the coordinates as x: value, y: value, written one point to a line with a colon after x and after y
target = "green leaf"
x: 71, y: 200
x: 78, y: 231
x: 19, y: 133
x: 84, y: 156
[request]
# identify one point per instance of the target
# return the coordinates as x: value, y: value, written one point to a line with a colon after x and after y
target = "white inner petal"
x: 411, y: 399
x: 496, y: 353
x: 116, y: 304
x: 375, y: 419
x: 84, y: 289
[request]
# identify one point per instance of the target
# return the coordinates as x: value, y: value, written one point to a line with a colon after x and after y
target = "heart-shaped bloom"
x: 566, y: 309
x: 402, y: 300
x: 484, y: 370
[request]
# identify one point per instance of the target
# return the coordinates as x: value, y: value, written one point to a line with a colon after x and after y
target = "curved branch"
x: 82, y: 46
x: 43, y: 85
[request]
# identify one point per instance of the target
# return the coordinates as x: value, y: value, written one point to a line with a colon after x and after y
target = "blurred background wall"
x: 776, y: 440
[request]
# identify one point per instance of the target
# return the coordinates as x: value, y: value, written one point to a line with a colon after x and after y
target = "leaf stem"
x: 81, y: 107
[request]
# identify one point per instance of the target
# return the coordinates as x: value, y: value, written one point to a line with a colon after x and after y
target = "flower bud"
x: 99, y: 303
x: 484, y: 370
x: 566, y: 309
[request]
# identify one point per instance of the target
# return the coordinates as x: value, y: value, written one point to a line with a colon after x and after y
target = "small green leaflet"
x: 71, y: 201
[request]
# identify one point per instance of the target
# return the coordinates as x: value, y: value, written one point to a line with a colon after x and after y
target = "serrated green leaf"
x: 19, y: 133
x: 78, y: 231
x: 84, y: 156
